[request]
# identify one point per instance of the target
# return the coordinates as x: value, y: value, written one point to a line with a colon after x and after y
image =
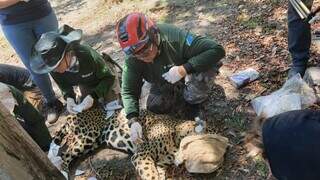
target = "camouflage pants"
x: 172, y: 98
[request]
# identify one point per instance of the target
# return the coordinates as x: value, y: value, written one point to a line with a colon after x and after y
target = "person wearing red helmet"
x: 166, y: 57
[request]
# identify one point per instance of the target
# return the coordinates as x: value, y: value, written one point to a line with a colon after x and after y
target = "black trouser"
x: 292, y: 145
x: 299, y: 37
x: 16, y: 76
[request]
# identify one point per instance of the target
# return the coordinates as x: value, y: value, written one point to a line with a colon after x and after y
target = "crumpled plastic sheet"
x: 295, y: 94
x: 57, y: 160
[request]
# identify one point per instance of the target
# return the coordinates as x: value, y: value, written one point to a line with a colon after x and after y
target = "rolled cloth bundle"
x: 202, y: 153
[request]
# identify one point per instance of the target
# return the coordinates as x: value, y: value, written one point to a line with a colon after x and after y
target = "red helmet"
x: 132, y: 32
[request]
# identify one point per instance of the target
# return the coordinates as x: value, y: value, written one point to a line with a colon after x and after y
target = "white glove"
x: 200, y: 125
x: 70, y: 105
x: 85, y: 104
x: 136, y: 132
x: 173, y: 75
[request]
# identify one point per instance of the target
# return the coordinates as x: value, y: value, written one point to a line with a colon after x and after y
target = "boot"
x: 295, y: 70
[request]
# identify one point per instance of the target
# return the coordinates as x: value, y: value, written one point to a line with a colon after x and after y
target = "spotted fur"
x: 162, y: 134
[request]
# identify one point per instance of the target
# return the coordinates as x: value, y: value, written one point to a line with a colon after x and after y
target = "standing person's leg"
x: 299, y: 40
x: 22, y: 38
x: 40, y: 26
x: 291, y: 144
x: 45, y: 24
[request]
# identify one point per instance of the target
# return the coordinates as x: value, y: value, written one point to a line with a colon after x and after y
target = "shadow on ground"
x: 67, y: 6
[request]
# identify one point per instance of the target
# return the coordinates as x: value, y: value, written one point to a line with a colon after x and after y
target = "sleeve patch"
x: 189, y: 39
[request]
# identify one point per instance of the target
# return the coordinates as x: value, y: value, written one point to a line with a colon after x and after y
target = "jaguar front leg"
x: 145, y: 166
x: 162, y: 172
x: 57, y: 139
x: 76, y: 149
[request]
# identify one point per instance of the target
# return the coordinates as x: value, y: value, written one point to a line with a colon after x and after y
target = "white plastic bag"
x: 242, y: 78
x: 53, y: 155
x: 57, y: 160
x: 295, y: 94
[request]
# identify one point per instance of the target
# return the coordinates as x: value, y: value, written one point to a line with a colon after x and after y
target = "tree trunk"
x: 20, y: 157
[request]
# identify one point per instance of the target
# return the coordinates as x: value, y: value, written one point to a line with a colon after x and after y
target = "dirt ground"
x: 254, y: 34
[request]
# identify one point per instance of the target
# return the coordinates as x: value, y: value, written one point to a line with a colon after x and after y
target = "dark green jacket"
x: 34, y: 122
x: 177, y: 47
x: 93, y: 74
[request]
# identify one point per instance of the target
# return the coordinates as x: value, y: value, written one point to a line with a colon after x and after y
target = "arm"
x: 66, y: 89
x: 202, y: 53
x: 131, y: 88
x: 106, y: 78
x: 7, y: 3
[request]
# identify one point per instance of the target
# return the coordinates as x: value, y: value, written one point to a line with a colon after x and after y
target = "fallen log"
x: 20, y: 157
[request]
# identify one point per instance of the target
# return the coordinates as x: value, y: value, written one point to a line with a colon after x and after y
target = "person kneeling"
x: 71, y: 63
x: 28, y: 117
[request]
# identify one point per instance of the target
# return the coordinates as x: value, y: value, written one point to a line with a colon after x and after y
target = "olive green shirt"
x: 93, y: 74
x: 177, y: 47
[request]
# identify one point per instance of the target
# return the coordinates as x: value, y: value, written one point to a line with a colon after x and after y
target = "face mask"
x: 74, y: 65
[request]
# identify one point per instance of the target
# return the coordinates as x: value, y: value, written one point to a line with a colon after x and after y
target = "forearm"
x: 103, y: 88
x: 131, y: 88
x: 206, y: 59
x: 131, y: 105
x: 65, y: 88
x: 67, y: 91
x: 7, y: 3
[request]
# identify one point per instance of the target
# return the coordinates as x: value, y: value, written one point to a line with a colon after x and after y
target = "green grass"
x: 275, y: 2
x: 237, y: 121
x: 261, y: 167
x: 252, y: 23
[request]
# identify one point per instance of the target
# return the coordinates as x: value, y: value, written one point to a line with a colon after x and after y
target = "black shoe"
x: 295, y: 70
x: 54, y: 109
